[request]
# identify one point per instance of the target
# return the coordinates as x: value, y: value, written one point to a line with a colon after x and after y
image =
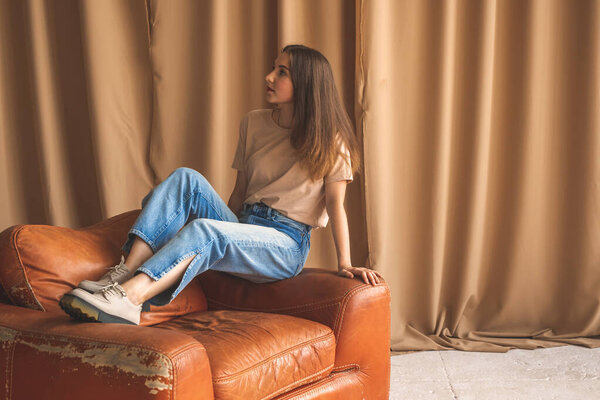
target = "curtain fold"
x: 479, y: 121
x: 490, y: 146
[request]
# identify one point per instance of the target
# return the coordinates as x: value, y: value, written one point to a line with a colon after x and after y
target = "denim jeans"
x: 184, y: 216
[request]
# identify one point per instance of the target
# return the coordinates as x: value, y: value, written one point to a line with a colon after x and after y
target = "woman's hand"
x: 368, y: 275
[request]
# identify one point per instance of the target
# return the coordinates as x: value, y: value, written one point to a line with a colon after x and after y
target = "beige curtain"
x: 480, y: 124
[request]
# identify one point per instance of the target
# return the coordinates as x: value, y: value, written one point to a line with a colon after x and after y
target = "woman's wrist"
x: 341, y: 266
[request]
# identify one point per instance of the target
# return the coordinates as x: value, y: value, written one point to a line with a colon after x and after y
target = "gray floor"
x: 567, y: 372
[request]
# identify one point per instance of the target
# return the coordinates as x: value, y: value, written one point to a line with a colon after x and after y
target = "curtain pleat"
x: 118, y: 77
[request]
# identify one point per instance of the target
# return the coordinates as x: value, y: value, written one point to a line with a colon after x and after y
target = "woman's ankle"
x: 137, y: 288
x: 140, y: 252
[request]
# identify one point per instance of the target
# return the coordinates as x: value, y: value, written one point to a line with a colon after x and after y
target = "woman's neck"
x: 283, y: 116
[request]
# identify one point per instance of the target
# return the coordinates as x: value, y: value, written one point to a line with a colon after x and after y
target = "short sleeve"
x: 342, y: 169
x: 239, y: 159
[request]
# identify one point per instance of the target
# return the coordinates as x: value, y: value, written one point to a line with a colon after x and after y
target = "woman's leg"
x: 139, y: 253
x: 141, y: 287
x: 184, y: 195
x: 254, y: 252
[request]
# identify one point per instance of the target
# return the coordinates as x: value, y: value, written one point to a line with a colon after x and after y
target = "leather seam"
x: 26, y: 278
x: 310, y: 389
x: 332, y: 300
x: 158, y: 352
x: 297, y: 383
x: 294, y: 312
x: 315, y: 308
x: 3, y: 286
x: 178, y: 355
x: 9, y: 366
x: 340, y: 368
x: 187, y: 347
x: 337, y: 328
x: 325, y: 302
x: 36, y: 335
x: 340, y: 317
x: 22, y: 268
x: 274, y: 356
x: 173, y: 379
x: 87, y: 340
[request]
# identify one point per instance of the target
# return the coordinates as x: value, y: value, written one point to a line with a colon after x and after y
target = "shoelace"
x: 117, y: 270
x: 113, y: 288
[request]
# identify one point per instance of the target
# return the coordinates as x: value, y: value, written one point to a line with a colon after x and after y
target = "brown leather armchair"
x: 315, y: 336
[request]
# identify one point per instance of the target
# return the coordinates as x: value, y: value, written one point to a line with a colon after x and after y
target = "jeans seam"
x: 175, y: 214
x: 270, y: 245
x: 201, y: 250
x: 246, y: 243
x: 251, y: 220
x: 145, y: 238
x: 185, y: 273
x: 147, y: 272
x: 186, y: 198
x: 169, y: 221
x: 177, y: 261
x: 210, y: 203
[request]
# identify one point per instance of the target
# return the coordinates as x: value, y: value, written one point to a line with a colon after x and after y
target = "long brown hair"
x: 318, y: 114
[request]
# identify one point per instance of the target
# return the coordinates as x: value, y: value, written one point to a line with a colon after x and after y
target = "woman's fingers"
x: 368, y: 276
x: 377, y: 277
x: 373, y: 278
x: 365, y: 277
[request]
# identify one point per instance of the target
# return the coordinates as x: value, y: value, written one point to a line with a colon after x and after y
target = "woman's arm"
x: 334, y: 202
x: 238, y: 195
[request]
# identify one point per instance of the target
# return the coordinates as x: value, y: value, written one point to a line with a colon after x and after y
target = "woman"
x: 292, y: 176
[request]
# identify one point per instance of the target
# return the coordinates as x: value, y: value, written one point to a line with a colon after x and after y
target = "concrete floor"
x: 565, y: 373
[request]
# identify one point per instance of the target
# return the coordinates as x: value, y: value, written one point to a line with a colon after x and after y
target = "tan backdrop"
x: 480, y: 124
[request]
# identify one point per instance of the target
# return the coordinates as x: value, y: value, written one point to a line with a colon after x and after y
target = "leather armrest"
x: 46, y: 355
x: 358, y: 314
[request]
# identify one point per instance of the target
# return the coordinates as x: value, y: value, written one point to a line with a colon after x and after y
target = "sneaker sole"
x: 84, y: 311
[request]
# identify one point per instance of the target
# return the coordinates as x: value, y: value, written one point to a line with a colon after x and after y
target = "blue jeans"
x: 184, y: 216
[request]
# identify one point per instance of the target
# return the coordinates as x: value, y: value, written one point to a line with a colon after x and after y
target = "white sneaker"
x: 119, y: 274
x: 110, y: 304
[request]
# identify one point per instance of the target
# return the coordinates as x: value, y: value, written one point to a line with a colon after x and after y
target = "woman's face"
x: 280, y: 81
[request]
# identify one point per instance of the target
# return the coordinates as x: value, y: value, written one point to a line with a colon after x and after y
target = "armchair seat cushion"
x: 259, y: 355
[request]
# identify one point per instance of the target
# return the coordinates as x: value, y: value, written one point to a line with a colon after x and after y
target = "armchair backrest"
x: 40, y: 263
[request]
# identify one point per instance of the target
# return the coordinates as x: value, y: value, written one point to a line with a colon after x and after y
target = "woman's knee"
x: 187, y: 175
x: 206, y: 228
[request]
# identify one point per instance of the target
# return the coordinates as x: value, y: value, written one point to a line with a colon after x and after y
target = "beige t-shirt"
x: 274, y: 174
